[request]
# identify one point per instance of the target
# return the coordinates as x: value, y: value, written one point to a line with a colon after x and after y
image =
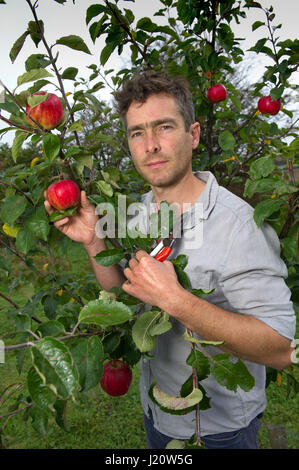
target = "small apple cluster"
x: 266, y: 105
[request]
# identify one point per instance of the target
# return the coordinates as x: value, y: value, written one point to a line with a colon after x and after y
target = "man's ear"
x: 195, y: 134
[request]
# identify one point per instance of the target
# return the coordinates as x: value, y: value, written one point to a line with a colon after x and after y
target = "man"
x: 249, y: 309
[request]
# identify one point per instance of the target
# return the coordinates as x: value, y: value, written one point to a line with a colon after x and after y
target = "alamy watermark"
x: 142, y: 220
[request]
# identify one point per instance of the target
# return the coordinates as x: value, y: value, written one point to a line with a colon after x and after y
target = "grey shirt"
x: 242, y: 263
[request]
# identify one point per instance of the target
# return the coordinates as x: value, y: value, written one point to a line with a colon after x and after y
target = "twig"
x: 40, y: 128
x: 13, y: 124
x: 48, y: 49
x: 13, y: 347
x: 13, y: 413
x: 17, y: 307
x: 195, y: 385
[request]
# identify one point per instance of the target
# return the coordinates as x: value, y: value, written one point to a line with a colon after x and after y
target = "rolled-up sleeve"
x: 253, y: 277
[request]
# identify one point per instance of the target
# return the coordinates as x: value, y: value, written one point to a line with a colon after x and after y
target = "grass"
x: 99, y: 421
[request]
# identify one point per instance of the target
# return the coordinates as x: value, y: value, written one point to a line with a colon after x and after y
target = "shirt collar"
x: 207, y: 198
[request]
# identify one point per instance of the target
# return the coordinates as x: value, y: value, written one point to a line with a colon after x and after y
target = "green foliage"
x: 68, y: 323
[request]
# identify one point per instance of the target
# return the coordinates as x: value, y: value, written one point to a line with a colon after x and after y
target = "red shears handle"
x: 163, y: 254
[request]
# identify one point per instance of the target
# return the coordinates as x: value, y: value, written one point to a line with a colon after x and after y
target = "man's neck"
x: 187, y: 190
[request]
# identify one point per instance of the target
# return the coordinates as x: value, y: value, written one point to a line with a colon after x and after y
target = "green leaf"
x: 277, y: 92
x: 105, y: 313
x: 34, y: 100
x: 203, y: 342
x: 146, y: 24
x: 20, y: 137
x: 109, y: 257
x: 262, y: 167
x: 105, y: 187
x: 51, y: 144
x: 289, y: 248
x: 203, y: 294
x: 70, y: 73
x: 106, y: 53
x: 50, y: 328
x: 236, y: 102
x: 227, y: 141
x: 266, y: 208
x: 257, y: 24
x: 36, y: 61
x: 200, y: 363
x: 60, y: 409
x: 32, y: 75
x: 16, y: 48
x: 12, y: 208
x: 182, y: 277
x: 141, y: 331
x: 24, y: 241
x: 34, y: 30
x: 41, y: 394
x: 54, y: 216
x: 23, y: 322
x: 53, y: 362
x: 231, y: 374
x: 175, y: 405
x: 37, y: 223
x: 74, y: 42
x: 88, y: 355
x: 94, y: 10
x: 50, y: 305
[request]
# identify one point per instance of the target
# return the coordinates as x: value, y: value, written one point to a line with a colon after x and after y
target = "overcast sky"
x: 62, y: 20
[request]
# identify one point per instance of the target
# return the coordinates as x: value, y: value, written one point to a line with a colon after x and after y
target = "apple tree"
x: 69, y: 326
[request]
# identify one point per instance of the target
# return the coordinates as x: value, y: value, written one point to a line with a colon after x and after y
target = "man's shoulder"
x: 233, y: 206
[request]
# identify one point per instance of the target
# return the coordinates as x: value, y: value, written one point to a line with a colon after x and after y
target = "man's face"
x: 160, y: 146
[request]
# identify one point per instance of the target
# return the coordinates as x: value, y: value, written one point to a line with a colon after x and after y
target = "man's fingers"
x: 60, y: 223
x: 133, y: 263
x: 85, y: 204
x: 141, y: 254
x: 48, y: 207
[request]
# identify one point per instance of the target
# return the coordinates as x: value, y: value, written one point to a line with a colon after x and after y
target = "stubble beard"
x: 169, y: 180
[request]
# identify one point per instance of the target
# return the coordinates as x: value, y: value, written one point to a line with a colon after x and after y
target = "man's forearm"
x: 244, y: 336
x: 107, y: 276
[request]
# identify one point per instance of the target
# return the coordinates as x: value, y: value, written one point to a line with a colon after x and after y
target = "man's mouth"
x: 154, y: 165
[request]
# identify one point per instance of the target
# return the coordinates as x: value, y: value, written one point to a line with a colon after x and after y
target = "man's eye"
x: 135, y: 134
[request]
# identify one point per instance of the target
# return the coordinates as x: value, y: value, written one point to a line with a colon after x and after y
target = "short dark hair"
x: 148, y: 83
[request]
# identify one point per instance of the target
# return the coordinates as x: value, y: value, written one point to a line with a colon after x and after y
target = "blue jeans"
x: 245, y: 438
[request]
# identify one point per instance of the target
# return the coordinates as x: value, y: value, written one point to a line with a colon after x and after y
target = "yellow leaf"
x: 11, y: 231
x: 60, y: 292
x: 33, y: 162
x: 72, y: 299
x: 68, y: 93
x: 279, y: 379
x: 257, y: 113
x: 45, y: 266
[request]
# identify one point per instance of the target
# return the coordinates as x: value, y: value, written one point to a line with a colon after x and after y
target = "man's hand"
x: 80, y: 227
x: 151, y: 281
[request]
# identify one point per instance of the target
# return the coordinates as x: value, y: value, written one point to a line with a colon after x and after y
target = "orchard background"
x: 48, y: 293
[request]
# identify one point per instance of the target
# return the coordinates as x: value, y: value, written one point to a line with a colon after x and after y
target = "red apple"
x: 48, y: 114
x: 116, y: 378
x: 268, y: 106
x: 217, y: 93
x: 63, y: 194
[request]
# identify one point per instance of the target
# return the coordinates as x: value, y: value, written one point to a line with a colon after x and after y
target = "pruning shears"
x: 164, y: 247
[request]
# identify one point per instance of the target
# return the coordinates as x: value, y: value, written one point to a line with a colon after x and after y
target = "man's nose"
x: 152, y: 143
